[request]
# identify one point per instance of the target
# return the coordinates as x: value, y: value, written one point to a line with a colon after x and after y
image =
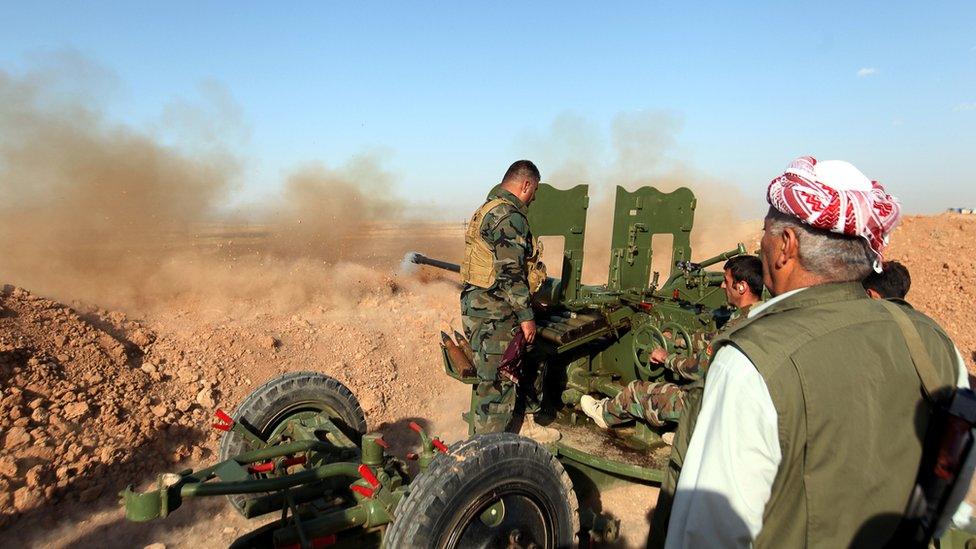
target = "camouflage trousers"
x: 655, y: 403
x: 492, y: 399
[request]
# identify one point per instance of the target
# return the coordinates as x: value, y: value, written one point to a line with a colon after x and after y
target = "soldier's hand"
x: 528, y: 330
x: 659, y: 355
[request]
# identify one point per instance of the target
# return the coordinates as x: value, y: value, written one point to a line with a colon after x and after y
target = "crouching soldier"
x: 661, y: 401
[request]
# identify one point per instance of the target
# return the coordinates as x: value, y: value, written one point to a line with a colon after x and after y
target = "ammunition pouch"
x: 459, y: 370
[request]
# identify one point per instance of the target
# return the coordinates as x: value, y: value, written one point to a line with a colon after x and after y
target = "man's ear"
x: 789, y: 247
x: 873, y: 294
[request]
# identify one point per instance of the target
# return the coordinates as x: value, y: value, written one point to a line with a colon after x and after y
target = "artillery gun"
x: 298, y: 445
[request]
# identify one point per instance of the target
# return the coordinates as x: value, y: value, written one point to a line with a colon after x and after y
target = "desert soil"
x: 93, y: 399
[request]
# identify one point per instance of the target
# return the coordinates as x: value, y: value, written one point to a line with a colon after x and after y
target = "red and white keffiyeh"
x: 835, y: 196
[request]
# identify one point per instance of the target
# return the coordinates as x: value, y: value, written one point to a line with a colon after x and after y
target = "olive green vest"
x: 850, y: 410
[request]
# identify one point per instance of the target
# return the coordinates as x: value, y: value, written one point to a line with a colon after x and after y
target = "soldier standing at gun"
x: 500, y: 271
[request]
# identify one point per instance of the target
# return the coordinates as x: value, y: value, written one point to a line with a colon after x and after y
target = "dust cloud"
x: 84, y: 201
x: 572, y: 151
x: 324, y: 212
x: 102, y: 212
x: 105, y: 213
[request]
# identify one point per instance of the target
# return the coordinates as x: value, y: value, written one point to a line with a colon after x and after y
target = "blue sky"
x: 447, y: 94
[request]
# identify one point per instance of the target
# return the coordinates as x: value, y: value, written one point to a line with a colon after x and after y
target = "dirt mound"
x: 940, y: 253
x: 93, y: 400
x: 84, y: 404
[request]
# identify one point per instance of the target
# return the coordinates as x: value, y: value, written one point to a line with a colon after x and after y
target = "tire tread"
x: 430, y: 493
x: 262, y: 402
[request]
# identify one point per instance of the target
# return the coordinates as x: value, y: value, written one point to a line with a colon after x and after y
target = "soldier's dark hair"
x: 748, y: 269
x: 520, y: 170
x: 892, y: 281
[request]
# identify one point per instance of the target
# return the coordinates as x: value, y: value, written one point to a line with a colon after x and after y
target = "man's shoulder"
x: 924, y: 323
x: 780, y: 334
x: 771, y: 335
x: 505, y: 214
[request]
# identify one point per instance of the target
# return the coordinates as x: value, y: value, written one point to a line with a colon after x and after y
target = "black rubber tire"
x: 270, y: 404
x: 433, y: 515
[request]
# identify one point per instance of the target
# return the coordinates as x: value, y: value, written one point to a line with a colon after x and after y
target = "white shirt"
x: 734, y: 454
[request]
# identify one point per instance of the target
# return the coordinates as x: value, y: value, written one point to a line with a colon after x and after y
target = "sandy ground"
x: 93, y: 399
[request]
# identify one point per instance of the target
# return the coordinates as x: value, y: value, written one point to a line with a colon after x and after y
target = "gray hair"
x: 832, y: 257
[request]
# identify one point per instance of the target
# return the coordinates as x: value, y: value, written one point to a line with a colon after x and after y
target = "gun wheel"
x: 291, y: 396
x: 497, y: 490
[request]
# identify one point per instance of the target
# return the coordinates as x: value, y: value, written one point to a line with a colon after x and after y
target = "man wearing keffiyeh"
x: 810, y: 431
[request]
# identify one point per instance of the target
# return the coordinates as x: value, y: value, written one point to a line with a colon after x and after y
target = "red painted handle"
x: 265, y: 467
x: 362, y: 490
x: 269, y: 466
x: 368, y: 476
x: 226, y: 423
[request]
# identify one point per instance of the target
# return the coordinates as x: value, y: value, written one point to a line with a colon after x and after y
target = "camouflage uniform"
x: 491, y: 315
x: 660, y: 401
x: 691, y: 365
x: 654, y: 402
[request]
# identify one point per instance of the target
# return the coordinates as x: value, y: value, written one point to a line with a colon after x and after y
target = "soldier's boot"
x: 538, y: 433
x: 595, y: 410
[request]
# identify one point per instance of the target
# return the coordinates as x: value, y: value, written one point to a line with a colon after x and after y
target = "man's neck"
x: 744, y: 307
x: 798, y: 279
x: 514, y: 193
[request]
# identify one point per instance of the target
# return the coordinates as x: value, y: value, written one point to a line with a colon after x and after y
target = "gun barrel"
x: 421, y: 259
x: 739, y: 250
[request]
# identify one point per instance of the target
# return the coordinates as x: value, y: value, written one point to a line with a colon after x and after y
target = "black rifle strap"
x: 920, y: 357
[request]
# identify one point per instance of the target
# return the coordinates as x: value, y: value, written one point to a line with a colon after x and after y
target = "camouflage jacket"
x: 692, y: 366
x: 506, y: 229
